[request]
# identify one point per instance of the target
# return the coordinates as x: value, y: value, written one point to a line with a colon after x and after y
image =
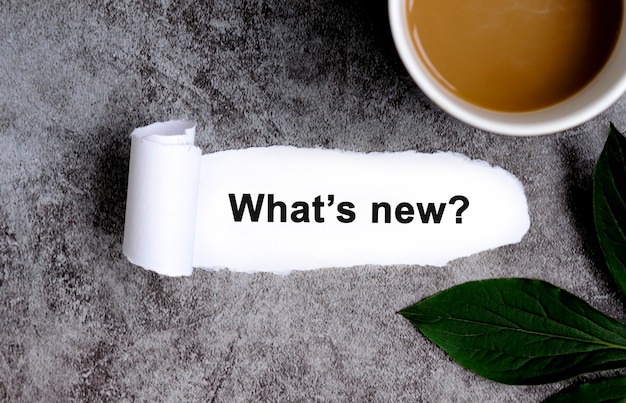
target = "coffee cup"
x: 544, y: 101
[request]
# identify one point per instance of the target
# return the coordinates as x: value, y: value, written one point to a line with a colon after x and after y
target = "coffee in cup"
x: 514, y: 66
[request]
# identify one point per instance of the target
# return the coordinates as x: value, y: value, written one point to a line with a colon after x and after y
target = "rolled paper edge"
x: 162, y: 195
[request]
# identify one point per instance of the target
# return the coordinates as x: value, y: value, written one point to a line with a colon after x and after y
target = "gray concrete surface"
x: 80, y: 323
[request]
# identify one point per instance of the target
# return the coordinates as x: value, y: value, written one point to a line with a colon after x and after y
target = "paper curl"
x: 162, y: 197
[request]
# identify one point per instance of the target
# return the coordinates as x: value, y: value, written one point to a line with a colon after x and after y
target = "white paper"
x: 162, y: 197
x: 183, y: 208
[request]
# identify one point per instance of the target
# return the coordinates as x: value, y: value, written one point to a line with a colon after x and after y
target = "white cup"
x: 605, y: 89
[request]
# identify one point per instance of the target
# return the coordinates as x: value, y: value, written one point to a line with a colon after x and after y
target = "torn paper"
x: 279, y: 209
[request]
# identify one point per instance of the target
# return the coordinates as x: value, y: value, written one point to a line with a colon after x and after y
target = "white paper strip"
x: 281, y: 208
x: 162, y: 198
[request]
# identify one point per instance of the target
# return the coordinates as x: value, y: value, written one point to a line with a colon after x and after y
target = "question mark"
x: 461, y: 209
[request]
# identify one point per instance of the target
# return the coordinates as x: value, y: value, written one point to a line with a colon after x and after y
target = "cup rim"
x: 581, y: 107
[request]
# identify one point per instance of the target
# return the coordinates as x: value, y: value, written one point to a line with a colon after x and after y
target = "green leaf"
x: 602, y: 391
x: 520, y: 331
x: 609, y: 204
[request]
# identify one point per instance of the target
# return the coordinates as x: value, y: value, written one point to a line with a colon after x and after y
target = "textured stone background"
x: 78, y: 322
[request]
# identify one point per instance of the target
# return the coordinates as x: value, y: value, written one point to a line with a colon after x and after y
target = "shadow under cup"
x: 602, y: 92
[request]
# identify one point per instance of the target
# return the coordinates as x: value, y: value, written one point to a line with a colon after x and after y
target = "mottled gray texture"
x: 78, y: 322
